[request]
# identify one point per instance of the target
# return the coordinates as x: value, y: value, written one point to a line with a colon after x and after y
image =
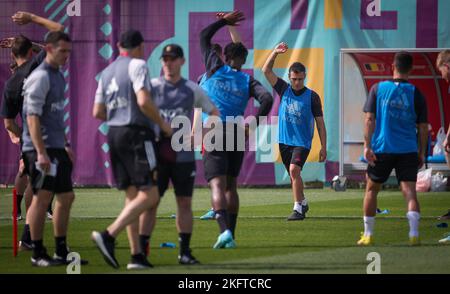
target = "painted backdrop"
x: 315, y: 30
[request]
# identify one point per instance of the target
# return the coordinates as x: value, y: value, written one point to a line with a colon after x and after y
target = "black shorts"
x: 182, y: 175
x: 406, y: 167
x: 133, y: 157
x: 222, y: 163
x: 293, y: 155
x: 61, y: 183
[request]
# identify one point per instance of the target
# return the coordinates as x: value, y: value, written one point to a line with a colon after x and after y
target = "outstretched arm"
x: 268, y: 66
x: 23, y: 18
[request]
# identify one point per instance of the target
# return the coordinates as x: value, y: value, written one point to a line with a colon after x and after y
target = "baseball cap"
x: 172, y: 50
x: 131, y: 39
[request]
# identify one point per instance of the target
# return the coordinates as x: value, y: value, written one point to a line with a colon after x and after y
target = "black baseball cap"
x: 131, y: 39
x: 172, y: 50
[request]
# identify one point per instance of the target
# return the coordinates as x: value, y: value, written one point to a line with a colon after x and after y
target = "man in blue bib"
x: 299, y: 107
x: 230, y: 89
x: 396, y: 117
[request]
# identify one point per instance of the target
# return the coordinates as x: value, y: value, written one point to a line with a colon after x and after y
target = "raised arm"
x: 234, y: 34
x: 210, y: 59
x: 23, y: 18
x: 268, y: 65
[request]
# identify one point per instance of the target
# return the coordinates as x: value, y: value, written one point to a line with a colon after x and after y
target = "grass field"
x: 267, y: 243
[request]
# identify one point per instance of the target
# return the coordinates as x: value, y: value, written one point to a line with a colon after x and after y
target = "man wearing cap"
x: 299, y: 107
x: 124, y: 101
x: 176, y: 97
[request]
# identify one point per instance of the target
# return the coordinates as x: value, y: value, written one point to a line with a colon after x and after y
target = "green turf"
x: 267, y: 243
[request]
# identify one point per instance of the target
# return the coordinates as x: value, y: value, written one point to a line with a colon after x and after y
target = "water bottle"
x: 168, y: 245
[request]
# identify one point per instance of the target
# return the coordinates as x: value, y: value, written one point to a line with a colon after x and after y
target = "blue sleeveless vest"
x: 395, y: 130
x: 295, y: 119
x: 229, y: 91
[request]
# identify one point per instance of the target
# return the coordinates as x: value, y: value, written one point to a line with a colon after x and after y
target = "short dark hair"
x: 297, y: 67
x: 54, y: 37
x: 217, y: 48
x: 235, y: 50
x: 403, y: 62
x: 21, y: 46
x: 131, y: 39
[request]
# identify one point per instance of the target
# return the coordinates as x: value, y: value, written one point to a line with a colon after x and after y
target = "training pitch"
x: 325, y: 242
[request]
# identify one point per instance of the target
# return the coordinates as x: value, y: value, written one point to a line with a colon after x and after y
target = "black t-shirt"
x: 12, y: 101
x: 316, y: 104
x: 420, y: 104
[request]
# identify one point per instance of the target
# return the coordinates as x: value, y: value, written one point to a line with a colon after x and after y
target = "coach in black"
x: 24, y: 63
x: 124, y: 101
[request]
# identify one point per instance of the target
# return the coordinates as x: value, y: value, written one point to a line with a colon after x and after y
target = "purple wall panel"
x: 427, y: 23
x: 299, y: 14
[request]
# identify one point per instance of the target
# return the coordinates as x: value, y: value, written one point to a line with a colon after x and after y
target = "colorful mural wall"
x: 315, y: 31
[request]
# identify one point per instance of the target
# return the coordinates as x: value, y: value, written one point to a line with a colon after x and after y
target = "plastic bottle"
x: 168, y: 245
